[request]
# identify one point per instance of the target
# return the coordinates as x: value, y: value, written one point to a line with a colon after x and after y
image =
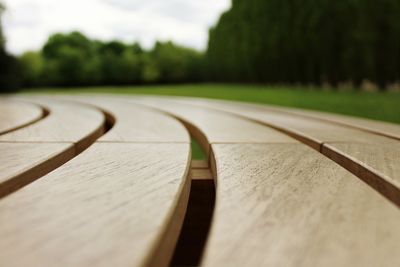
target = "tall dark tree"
x: 10, y: 77
x: 307, y: 41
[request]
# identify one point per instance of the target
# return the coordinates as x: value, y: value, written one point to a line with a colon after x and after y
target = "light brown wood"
x: 67, y: 122
x: 314, y: 132
x: 391, y: 130
x: 379, y: 127
x: 136, y: 123
x: 324, y: 136
x: 200, y: 164
x: 377, y: 164
x: 17, y: 114
x: 216, y: 127
x: 113, y: 205
x: 287, y: 205
x: 201, y: 174
x: 22, y: 163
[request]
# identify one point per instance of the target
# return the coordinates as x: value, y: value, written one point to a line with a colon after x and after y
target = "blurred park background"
x: 339, y: 56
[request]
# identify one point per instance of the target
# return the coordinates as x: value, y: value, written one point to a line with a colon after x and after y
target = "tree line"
x: 74, y: 60
x: 307, y: 42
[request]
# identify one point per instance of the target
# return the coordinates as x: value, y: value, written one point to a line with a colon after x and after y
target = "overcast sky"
x: 28, y: 23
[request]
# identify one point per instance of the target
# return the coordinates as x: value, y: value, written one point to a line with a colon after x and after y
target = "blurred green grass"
x: 373, y: 105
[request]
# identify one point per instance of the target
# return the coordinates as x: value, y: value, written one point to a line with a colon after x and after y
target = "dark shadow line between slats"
x: 12, y: 185
x: 193, y: 231
x: 194, y: 234
x: 384, y: 187
x: 45, y: 113
x: 339, y: 123
x: 377, y: 183
x: 279, y: 109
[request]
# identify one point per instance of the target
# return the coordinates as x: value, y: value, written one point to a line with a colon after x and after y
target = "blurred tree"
x: 120, y: 63
x: 307, y: 41
x: 70, y: 60
x: 10, y: 78
x: 32, y: 65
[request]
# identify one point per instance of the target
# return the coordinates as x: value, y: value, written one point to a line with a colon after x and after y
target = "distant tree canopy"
x: 74, y: 60
x: 307, y: 41
x: 256, y: 41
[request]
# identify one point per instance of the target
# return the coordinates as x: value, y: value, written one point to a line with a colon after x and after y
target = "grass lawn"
x: 374, y: 105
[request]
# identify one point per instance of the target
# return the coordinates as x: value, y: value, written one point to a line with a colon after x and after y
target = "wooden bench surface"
x: 16, y: 114
x: 286, y: 199
x: 347, y: 146
x: 122, y: 201
x: 378, y: 127
x: 217, y: 127
x: 67, y: 122
x: 38, y: 148
x: 137, y: 123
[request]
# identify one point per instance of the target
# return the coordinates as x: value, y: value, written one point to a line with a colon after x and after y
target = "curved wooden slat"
x: 344, y: 145
x: 67, y: 122
x: 17, y: 114
x: 284, y: 204
x: 22, y: 163
x: 136, y: 123
x: 378, y: 127
x: 287, y: 205
x: 216, y: 127
x: 32, y: 151
x: 116, y: 204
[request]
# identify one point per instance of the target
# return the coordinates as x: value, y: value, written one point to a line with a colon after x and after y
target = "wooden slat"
x: 67, y: 122
x: 17, y: 114
x: 287, y: 205
x: 137, y: 124
x: 22, y: 163
x: 379, y: 127
x: 32, y: 151
x: 116, y: 204
x: 284, y: 204
x: 218, y: 127
x: 331, y: 139
x: 391, y: 130
x: 313, y: 132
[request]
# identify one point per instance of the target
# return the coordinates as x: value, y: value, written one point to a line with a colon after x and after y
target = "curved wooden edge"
x: 24, y: 114
x: 54, y: 155
x: 278, y: 213
x: 135, y: 123
x: 375, y: 175
x: 67, y: 122
x: 162, y: 252
x: 387, y: 186
x: 79, y: 187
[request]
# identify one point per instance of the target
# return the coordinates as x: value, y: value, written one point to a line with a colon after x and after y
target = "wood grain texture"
x: 22, y: 163
x: 313, y: 132
x: 120, y: 214
x: 17, y: 114
x: 137, y: 123
x: 67, y: 122
x: 378, y: 165
x: 379, y: 127
x: 287, y: 205
x: 319, y: 134
x: 218, y: 127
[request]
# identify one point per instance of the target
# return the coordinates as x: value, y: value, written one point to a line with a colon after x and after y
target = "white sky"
x: 28, y: 23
